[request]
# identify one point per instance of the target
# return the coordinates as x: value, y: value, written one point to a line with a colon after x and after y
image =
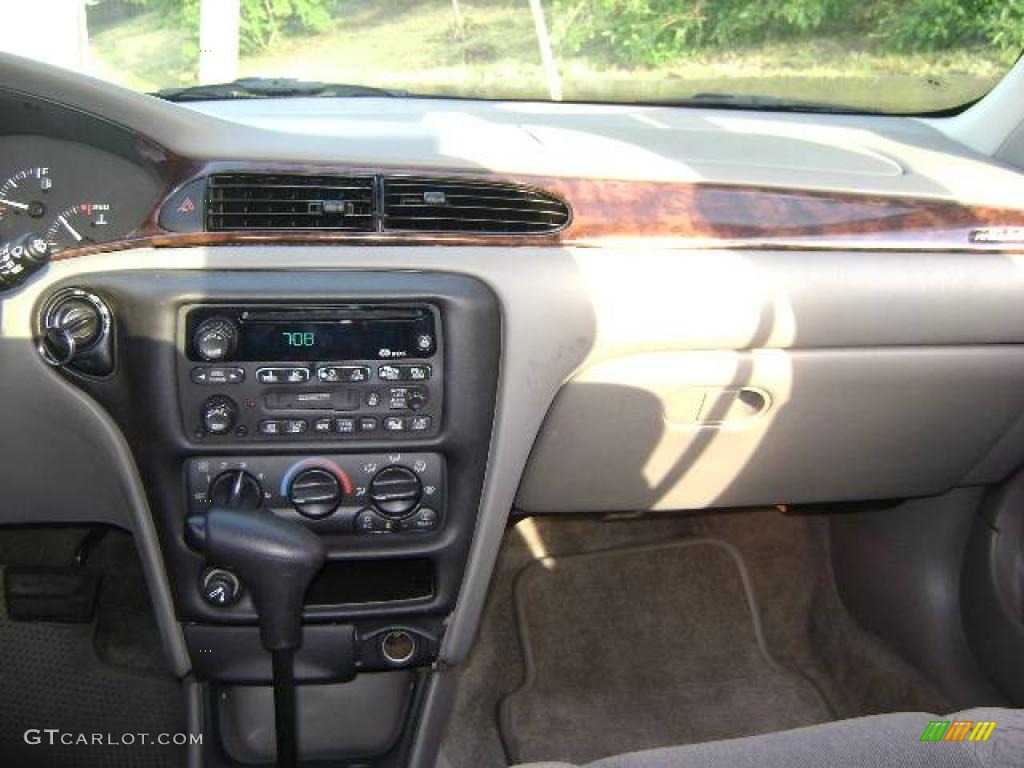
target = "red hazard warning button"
x: 183, y: 211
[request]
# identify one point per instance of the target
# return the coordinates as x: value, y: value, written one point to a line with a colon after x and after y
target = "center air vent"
x: 423, y: 204
x: 257, y: 201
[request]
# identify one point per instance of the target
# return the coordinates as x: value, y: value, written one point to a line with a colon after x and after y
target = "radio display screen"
x: 311, y: 335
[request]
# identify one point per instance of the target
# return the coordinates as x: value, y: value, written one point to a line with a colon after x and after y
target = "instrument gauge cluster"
x: 58, y: 195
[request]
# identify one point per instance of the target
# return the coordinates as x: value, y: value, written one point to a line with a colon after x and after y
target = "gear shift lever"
x: 276, y: 559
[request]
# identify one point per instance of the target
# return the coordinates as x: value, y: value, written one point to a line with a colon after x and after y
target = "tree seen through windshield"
x: 903, y: 56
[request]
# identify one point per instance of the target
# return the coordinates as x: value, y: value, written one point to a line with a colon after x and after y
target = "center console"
x: 358, y: 404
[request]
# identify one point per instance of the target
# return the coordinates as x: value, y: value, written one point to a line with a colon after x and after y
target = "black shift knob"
x: 275, y: 558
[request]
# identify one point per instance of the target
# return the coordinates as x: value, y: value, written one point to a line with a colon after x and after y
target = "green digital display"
x: 299, y: 338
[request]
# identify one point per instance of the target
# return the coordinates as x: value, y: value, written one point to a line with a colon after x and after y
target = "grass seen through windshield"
x: 914, y: 56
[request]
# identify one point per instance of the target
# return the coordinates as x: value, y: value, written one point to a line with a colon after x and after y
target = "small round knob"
x: 215, y: 339
x: 416, y: 400
x: 21, y: 257
x: 236, y: 489
x: 221, y: 587
x: 315, y: 492
x: 395, y: 491
x: 218, y: 414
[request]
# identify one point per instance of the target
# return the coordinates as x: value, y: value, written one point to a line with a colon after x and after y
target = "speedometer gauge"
x: 24, y: 195
x: 78, y: 226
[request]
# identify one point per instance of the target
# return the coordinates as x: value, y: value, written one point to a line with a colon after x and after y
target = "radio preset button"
x: 403, y: 372
x: 271, y: 427
x: 389, y: 373
x: 297, y: 375
x: 347, y: 374
x: 415, y: 372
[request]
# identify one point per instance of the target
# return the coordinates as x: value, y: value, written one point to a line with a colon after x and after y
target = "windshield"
x: 898, y: 56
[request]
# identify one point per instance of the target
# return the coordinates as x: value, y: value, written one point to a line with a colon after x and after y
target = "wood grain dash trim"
x: 647, y: 213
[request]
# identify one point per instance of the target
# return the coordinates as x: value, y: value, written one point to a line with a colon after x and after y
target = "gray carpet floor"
x: 56, y: 675
x: 644, y: 647
x: 806, y: 629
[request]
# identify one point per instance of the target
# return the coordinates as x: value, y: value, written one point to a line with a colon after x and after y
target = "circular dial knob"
x: 218, y: 414
x: 315, y: 492
x: 395, y: 491
x: 415, y: 400
x: 21, y: 257
x: 221, y: 587
x: 236, y: 489
x: 215, y: 339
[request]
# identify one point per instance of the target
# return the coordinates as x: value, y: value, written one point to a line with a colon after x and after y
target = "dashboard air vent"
x: 260, y: 201
x: 424, y: 204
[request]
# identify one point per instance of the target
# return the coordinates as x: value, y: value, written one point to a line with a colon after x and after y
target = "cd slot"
x: 331, y: 314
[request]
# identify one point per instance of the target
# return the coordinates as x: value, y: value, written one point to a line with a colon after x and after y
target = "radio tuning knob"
x: 215, y: 339
x: 219, y: 414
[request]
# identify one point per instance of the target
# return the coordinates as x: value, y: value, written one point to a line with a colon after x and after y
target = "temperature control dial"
x: 315, y: 492
x: 215, y: 339
x: 395, y: 492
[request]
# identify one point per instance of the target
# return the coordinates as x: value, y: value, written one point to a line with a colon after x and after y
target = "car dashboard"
x: 396, y: 323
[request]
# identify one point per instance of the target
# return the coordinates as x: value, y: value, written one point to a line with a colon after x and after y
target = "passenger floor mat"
x: 641, y: 647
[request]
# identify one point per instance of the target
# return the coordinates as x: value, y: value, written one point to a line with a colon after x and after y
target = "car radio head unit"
x: 291, y: 334
x: 311, y: 372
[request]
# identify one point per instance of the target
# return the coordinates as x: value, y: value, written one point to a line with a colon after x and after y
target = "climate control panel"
x: 380, y: 493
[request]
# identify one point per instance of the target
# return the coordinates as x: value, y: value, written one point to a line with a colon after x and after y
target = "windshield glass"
x: 900, y: 56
